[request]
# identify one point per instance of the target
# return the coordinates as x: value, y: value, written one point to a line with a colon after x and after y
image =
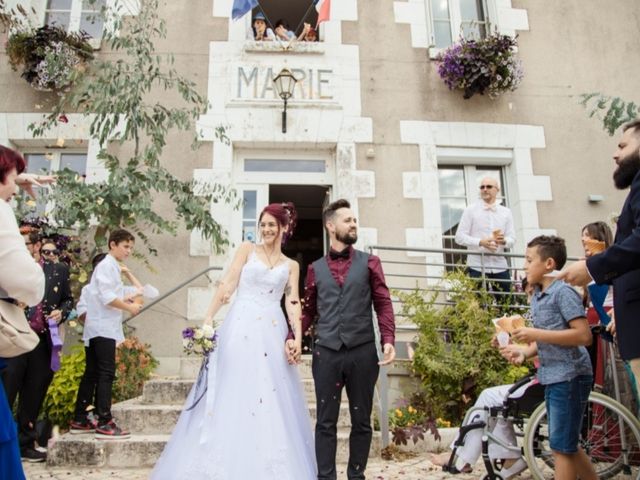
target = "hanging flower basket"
x: 49, y: 57
x: 488, y: 65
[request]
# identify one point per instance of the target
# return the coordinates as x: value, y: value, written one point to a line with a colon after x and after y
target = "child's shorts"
x: 566, y: 402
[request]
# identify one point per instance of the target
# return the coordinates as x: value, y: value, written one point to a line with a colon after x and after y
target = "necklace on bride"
x: 270, y: 255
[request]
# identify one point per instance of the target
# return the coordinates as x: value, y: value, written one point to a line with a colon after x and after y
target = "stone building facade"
x: 370, y: 121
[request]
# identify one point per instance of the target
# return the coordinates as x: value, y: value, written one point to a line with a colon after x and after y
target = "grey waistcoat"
x: 344, y: 314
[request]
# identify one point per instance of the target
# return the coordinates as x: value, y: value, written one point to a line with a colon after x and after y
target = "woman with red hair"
x: 246, y: 417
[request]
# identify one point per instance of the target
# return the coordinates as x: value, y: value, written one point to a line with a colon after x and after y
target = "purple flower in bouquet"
x: 488, y: 65
x: 187, y: 333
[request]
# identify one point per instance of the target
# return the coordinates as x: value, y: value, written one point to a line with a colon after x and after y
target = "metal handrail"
x: 172, y: 291
x: 383, y: 383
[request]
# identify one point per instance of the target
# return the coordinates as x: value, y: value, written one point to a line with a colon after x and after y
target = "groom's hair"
x: 329, y: 211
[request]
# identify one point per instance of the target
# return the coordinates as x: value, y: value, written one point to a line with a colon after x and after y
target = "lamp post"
x: 285, y: 82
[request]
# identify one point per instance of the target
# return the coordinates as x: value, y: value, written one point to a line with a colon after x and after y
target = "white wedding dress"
x: 246, y: 417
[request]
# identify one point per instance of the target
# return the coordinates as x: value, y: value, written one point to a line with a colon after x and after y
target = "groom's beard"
x: 627, y: 169
x: 348, y: 238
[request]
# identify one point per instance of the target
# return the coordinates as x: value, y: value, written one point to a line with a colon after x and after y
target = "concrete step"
x: 174, y: 392
x: 141, y: 451
x: 165, y: 392
x: 142, y: 418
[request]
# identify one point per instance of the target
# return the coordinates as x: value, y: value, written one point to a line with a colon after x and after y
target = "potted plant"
x: 488, y: 65
x: 50, y: 57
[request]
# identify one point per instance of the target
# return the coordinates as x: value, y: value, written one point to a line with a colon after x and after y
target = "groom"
x: 340, y: 290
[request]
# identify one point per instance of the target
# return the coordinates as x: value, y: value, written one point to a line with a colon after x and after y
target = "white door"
x: 254, y: 198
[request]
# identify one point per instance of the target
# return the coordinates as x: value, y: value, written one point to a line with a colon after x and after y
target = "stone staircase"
x: 151, y: 417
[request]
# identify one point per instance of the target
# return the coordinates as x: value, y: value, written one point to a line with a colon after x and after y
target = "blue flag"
x: 241, y: 7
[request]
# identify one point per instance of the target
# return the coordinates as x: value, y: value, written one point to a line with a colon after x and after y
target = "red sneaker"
x: 86, y: 426
x: 110, y: 431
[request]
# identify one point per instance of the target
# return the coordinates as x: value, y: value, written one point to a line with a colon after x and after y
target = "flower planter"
x: 50, y: 58
x: 486, y: 66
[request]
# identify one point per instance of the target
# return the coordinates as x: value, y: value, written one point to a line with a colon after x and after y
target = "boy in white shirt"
x: 103, y: 301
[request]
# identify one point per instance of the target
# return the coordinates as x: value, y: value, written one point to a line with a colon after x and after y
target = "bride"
x: 246, y: 416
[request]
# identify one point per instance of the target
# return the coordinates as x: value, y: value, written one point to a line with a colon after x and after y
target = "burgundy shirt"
x: 339, y: 268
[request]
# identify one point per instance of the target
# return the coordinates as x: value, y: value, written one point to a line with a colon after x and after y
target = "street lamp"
x: 285, y: 82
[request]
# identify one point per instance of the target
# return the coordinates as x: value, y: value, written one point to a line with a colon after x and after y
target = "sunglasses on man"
x: 486, y: 187
x: 47, y: 252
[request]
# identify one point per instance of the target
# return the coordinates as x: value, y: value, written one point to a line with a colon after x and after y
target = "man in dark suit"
x: 619, y: 265
x: 29, y: 375
x: 340, y: 291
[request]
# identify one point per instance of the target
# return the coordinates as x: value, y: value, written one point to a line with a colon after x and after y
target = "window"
x: 293, y: 15
x: 44, y: 163
x: 76, y: 15
x: 249, y: 211
x: 293, y: 166
x: 451, y: 19
x: 459, y: 188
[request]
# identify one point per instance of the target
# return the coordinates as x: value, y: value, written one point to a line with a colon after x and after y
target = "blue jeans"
x: 566, y: 403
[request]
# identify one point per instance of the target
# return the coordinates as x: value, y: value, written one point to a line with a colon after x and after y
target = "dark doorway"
x: 307, y: 243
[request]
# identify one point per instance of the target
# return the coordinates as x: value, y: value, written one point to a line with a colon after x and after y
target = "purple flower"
x: 187, y: 333
x: 488, y: 65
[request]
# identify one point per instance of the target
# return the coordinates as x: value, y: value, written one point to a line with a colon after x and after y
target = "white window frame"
x: 285, y: 178
x: 75, y: 18
x: 54, y: 158
x: 115, y: 7
x: 490, y: 15
x: 262, y: 199
x: 471, y: 161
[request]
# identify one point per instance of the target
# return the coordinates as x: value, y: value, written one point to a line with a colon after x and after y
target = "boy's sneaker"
x: 86, y: 426
x: 31, y: 455
x: 110, y: 431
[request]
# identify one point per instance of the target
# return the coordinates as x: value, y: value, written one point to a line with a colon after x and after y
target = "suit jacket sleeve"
x: 624, y: 256
x: 66, y: 298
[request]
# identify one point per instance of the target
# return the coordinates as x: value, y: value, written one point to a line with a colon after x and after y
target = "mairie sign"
x: 256, y: 82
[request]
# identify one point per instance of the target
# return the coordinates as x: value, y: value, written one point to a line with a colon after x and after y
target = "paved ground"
x: 417, y: 468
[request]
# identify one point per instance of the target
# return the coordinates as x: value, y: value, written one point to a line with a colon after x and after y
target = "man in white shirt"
x: 486, y: 227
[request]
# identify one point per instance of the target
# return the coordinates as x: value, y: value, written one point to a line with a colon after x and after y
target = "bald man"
x: 487, y: 227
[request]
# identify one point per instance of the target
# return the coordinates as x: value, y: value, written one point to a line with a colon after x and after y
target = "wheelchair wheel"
x: 610, y: 437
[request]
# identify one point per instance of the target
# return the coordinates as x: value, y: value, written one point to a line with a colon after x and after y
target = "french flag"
x: 323, y: 7
x: 241, y: 7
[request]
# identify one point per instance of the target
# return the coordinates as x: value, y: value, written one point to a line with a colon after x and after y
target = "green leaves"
x: 59, y: 403
x: 612, y: 111
x: 453, y: 357
x: 126, y: 93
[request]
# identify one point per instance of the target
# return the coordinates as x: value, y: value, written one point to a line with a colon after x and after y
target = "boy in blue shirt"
x: 558, y: 338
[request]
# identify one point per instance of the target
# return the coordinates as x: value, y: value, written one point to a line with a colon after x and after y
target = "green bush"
x: 59, y: 403
x: 454, y: 358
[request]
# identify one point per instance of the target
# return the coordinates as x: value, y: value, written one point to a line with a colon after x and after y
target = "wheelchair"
x: 610, y: 435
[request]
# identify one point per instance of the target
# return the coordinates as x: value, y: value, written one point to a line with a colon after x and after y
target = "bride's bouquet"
x: 199, y: 340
